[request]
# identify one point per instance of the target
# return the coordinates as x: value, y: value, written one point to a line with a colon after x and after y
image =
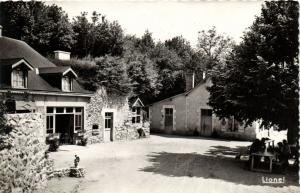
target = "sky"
x: 167, y: 19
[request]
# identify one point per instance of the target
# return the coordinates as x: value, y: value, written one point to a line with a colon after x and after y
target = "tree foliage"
x: 192, y: 59
x: 45, y: 28
x: 213, y: 47
x: 111, y: 73
x: 103, y: 56
x: 260, y: 78
x: 97, y: 38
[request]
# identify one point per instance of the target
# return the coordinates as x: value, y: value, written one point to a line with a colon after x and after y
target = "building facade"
x: 31, y: 83
x: 189, y: 114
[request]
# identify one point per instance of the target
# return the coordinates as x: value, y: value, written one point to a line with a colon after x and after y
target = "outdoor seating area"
x: 264, y: 156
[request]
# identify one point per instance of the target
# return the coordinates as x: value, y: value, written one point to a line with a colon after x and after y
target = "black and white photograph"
x: 149, y: 96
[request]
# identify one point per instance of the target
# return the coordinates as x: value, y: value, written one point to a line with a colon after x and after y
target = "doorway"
x: 206, y: 122
x: 169, y: 120
x: 108, y: 128
x: 65, y: 127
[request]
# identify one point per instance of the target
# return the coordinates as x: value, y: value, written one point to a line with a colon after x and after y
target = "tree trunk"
x: 292, y: 135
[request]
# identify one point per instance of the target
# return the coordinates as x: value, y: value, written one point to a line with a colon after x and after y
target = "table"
x: 271, y: 157
x: 269, y: 142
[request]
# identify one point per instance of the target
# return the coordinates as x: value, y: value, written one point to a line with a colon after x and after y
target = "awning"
x: 25, y: 105
x: 20, y: 105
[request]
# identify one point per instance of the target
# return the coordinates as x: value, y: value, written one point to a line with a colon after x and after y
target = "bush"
x: 83, y: 141
x: 53, y: 141
x: 53, y: 145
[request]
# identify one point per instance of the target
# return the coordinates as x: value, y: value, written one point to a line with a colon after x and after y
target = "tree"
x: 260, y: 78
x: 146, y: 43
x: 182, y: 47
x: 191, y: 59
x: 97, y: 38
x: 170, y: 70
x: 82, y: 28
x: 45, y: 28
x: 143, y: 77
x: 213, y: 47
x: 111, y: 73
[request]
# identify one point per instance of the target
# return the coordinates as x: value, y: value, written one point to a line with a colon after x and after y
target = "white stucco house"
x: 188, y: 113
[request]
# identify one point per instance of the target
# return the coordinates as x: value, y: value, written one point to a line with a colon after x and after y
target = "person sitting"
x: 255, y: 147
x: 262, y: 145
x: 286, y: 152
x: 279, y: 148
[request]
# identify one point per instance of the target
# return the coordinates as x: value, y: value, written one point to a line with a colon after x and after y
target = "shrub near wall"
x: 24, y: 166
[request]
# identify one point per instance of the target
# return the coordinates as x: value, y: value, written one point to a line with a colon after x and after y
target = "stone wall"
x: 23, y: 162
x: 132, y: 131
x: 100, y: 103
x: 94, y: 117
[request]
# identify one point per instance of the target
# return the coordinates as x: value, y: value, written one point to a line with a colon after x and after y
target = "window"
x: 59, y: 110
x: 206, y: 112
x: 108, y: 120
x: 19, y: 78
x: 69, y: 110
x: 169, y: 111
x: 95, y: 130
x: 136, y: 114
x: 169, y: 117
x: 78, y: 109
x: 233, y: 125
x: 50, y: 123
x: 78, y: 122
x: 50, y: 109
x: 67, y: 84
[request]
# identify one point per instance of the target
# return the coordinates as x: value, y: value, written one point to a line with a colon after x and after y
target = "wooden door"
x: 206, y: 122
x: 168, y: 120
x: 108, y: 128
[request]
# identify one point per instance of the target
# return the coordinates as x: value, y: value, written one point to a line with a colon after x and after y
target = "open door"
x: 206, y: 122
x: 65, y: 127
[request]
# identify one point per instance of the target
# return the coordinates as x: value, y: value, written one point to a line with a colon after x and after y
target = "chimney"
x: 1, y: 30
x: 61, y: 55
x: 189, y: 80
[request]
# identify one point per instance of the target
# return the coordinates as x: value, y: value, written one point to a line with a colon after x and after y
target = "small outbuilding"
x: 188, y: 113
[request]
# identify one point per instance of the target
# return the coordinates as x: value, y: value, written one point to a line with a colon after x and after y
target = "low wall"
x: 24, y: 164
x: 131, y: 131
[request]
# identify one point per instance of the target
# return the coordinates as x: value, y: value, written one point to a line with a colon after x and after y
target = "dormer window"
x: 137, y: 109
x: 67, y: 84
x: 19, y: 78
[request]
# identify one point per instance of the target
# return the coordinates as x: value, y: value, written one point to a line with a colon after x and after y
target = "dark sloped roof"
x: 51, y: 70
x: 9, y: 62
x: 36, y: 82
x: 12, y: 48
x: 57, y: 70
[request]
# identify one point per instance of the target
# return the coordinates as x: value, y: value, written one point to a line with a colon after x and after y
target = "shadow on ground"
x: 227, y: 151
x: 188, y: 137
x: 210, y: 167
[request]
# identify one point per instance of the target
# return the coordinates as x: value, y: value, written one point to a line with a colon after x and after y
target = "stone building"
x: 189, y: 114
x: 113, y: 117
x: 31, y: 83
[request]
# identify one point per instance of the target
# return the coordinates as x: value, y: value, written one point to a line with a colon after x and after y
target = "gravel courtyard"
x: 163, y: 164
